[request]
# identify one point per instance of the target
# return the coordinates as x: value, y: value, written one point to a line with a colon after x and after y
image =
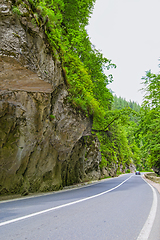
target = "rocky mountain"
x: 45, y: 143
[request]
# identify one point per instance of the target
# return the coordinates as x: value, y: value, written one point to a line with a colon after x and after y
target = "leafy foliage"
x: 151, y: 84
x: 149, y: 125
x: 131, y: 123
x: 118, y: 141
x: 83, y: 66
x: 120, y: 103
x: 114, y: 147
x: 64, y: 24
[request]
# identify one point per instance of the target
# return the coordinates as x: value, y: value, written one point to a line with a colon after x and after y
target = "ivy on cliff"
x: 64, y: 23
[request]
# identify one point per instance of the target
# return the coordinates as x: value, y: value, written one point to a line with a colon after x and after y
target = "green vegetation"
x: 148, y: 131
x: 127, y: 133
x: 83, y: 66
x: 118, y: 145
x: 143, y: 130
x: 51, y: 116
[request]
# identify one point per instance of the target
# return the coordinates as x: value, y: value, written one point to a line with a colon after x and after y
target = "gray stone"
x: 42, y: 137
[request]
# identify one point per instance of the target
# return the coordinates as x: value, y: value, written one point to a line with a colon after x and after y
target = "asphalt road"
x: 108, y: 210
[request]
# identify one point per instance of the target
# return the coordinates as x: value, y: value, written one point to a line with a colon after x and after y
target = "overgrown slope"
x: 83, y: 68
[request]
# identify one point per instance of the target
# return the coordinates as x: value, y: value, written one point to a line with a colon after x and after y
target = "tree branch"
x: 105, y: 129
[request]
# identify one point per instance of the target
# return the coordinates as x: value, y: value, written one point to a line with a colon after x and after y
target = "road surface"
x: 123, y: 208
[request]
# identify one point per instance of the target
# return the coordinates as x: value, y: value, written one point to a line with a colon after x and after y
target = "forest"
x: 128, y: 133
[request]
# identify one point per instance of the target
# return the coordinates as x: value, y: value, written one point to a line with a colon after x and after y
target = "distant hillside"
x: 120, y: 103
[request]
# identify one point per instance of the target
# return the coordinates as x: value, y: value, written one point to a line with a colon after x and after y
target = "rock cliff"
x: 44, y: 142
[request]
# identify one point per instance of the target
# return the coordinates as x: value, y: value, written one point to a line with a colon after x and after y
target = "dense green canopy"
x: 149, y: 125
x: 121, y: 131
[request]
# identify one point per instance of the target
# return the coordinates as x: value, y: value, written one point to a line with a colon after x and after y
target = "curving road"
x: 123, y: 208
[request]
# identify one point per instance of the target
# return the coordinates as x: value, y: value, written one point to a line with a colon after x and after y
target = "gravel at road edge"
x: 156, y: 185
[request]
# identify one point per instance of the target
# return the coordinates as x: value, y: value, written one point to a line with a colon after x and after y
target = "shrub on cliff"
x: 64, y: 23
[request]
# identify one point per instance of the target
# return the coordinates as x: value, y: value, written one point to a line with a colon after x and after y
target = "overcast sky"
x: 128, y: 33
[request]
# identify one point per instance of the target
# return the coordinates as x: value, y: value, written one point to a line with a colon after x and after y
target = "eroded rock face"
x: 83, y: 163
x: 38, y: 131
x: 156, y: 170
x: 20, y: 39
x: 42, y: 144
x: 116, y: 169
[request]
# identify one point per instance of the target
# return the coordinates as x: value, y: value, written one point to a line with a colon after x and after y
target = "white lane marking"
x: 145, y: 232
x: 61, y: 206
x: 84, y: 185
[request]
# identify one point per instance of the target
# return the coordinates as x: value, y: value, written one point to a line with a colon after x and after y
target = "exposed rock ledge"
x: 14, y: 77
x: 42, y: 142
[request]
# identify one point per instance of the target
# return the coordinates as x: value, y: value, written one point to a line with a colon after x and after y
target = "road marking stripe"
x: 61, y: 206
x: 145, y: 232
x: 73, y: 187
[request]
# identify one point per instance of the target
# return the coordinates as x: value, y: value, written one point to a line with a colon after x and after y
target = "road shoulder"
x: 156, y: 185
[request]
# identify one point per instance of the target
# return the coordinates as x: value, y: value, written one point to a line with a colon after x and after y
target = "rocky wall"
x: 42, y: 138
x: 83, y: 163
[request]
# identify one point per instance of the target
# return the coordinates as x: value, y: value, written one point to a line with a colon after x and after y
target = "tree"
x: 64, y: 24
x: 151, y: 84
x: 149, y: 127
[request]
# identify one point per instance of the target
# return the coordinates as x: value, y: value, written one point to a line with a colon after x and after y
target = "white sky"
x: 128, y: 33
